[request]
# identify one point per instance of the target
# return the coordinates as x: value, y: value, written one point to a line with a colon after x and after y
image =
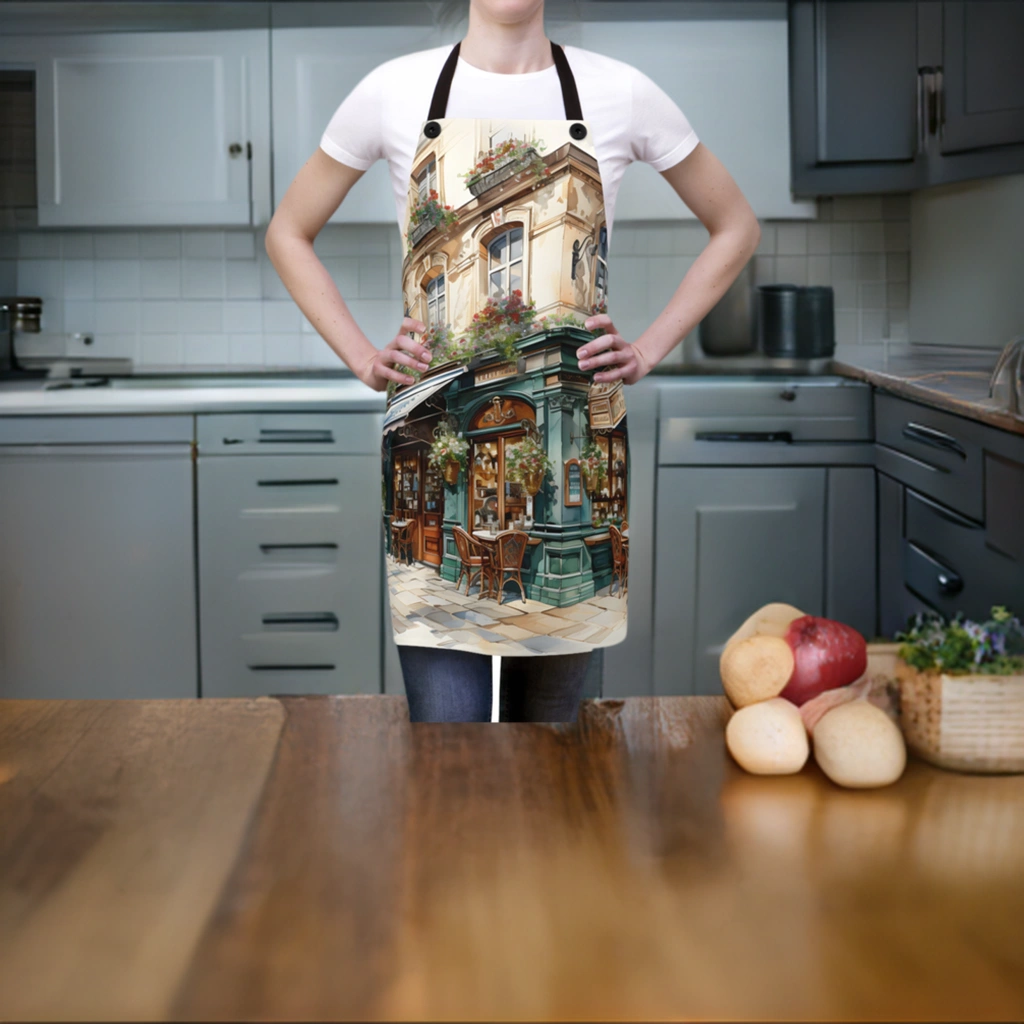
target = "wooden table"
x: 321, y: 858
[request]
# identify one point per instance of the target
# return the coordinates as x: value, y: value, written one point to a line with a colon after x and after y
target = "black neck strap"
x: 570, y: 97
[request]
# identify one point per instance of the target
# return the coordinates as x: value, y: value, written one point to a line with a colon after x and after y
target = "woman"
x: 504, y: 259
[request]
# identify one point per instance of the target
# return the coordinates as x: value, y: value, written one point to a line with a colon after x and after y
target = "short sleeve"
x: 660, y: 133
x: 353, y: 136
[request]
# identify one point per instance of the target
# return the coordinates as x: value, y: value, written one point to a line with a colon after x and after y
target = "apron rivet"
x: 578, y: 131
x: 432, y: 129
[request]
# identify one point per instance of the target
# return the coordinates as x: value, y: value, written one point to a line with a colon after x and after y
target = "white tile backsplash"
x: 39, y: 245
x: 202, y: 278
x: 203, y: 245
x: 77, y: 245
x: 161, y: 278
x: 79, y: 279
x: 160, y: 245
x: 114, y: 316
x: 201, y: 317
x: 40, y: 277
x: 242, y: 279
x: 205, y: 349
x: 117, y: 279
x: 116, y: 245
x: 161, y: 317
x: 211, y: 297
x: 243, y: 316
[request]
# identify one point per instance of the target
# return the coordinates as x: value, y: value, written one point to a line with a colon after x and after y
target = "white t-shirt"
x: 630, y: 116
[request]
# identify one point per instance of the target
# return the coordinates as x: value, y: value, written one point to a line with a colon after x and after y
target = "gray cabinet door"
x: 853, y: 95
x: 290, y: 574
x: 97, y: 572
x: 729, y: 541
x: 983, y: 50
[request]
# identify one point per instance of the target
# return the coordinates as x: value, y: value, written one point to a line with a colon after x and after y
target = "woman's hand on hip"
x: 402, y: 350
x: 610, y: 354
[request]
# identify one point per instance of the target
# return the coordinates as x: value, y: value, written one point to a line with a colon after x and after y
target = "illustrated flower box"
x: 420, y: 231
x: 504, y: 171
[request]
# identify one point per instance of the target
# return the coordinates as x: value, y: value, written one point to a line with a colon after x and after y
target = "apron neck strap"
x: 570, y: 96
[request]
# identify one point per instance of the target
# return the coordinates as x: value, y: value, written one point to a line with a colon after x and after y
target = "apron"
x: 506, y: 467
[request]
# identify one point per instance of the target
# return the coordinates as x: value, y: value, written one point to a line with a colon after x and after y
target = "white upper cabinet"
x: 150, y: 128
x: 731, y: 79
x: 314, y: 69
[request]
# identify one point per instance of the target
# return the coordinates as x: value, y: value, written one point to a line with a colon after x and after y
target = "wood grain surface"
x: 166, y: 861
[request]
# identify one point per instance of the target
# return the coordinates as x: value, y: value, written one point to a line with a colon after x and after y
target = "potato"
x: 768, y: 738
x: 769, y: 620
x: 859, y: 746
x: 755, y: 668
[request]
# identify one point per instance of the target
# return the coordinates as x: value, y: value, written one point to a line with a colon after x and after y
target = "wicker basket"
x: 969, y: 723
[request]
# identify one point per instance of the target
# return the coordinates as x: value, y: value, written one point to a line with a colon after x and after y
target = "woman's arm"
x: 709, y: 191
x: 311, y: 199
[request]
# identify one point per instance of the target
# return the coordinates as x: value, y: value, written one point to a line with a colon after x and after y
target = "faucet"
x: 1007, y: 384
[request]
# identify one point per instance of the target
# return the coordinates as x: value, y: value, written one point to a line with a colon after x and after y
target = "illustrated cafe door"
x: 419, y: 496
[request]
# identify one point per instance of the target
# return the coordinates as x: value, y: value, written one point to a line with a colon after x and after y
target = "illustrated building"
x: 532, y: 222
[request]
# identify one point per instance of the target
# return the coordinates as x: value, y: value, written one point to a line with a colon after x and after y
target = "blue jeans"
x: 445, y: 685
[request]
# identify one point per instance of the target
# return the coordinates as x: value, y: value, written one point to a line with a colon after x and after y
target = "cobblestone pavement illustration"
x: 421, y: 601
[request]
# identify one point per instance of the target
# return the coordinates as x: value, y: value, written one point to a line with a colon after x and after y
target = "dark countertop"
x: 314, y: 858
x: 955, y: 379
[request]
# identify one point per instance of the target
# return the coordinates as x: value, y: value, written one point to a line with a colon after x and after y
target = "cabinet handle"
x: 312, y: 482
x: 267, y: 548
x: 940, y: 102
x: 291, y: 668
x: 949, y: 582
x: 922, y: 140
x: 323, y: 622
x: 933, y: 438
x: 281, y: 436
x: 755, y: 436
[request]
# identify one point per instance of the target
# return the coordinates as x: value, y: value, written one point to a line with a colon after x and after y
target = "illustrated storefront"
x: 496, y: 404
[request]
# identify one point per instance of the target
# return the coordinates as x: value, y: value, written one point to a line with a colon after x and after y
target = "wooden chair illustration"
x: 473, y: 561
x: 402, y: 543
x: 509, y: 548
x: 620, y: 561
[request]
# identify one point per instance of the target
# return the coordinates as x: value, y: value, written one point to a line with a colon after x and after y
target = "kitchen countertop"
x: 166, y: 395
x: 955, y: 379
x: 313, y: 858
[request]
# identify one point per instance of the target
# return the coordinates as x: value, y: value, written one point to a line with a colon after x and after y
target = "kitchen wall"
x: 211, y: 299
x: 968, y: 241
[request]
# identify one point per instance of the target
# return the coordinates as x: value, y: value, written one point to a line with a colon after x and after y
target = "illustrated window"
x: 435, y: 301
x: 505, y: 263
x: 426, y: 181
x: 601, y: 268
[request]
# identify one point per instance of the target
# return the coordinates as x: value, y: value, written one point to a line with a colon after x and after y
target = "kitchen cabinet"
x: 290, y: 553
x: 893, y: 95
x: 730, y: 77
x: 149, y: 128
x: 765, y: 492
x: 97, y: 557
x: 950, y: 495
x: 314, y: 69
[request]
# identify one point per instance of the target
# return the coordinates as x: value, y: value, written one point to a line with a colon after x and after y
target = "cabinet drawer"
x: 284, y: 433
x: 290, y: 574
x: 931, y: 451
x: 948, y: 564
x: 710, y: 422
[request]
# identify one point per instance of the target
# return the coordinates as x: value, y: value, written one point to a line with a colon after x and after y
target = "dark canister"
x: 815, y: 323
x: 777, y: 319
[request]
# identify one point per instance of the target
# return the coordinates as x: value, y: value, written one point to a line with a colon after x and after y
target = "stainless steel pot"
x: 729, y: 328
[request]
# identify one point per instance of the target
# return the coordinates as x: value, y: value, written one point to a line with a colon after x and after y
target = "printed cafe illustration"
x: 505, y: 467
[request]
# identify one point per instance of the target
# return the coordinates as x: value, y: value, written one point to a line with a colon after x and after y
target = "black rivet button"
x: 578, y: 131
x: 431, y: 129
